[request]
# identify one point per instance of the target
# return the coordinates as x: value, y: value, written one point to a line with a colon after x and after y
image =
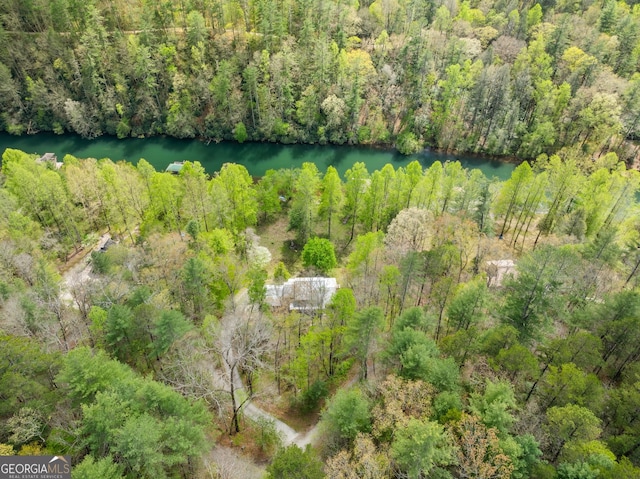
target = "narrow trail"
x: 250, y: 409
x: 288, y: 434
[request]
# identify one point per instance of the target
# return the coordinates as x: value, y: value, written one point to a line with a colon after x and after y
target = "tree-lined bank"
x: 256, y: 157
x: 492, y: 77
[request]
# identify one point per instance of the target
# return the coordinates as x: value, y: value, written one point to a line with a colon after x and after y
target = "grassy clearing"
x: 280, y: 242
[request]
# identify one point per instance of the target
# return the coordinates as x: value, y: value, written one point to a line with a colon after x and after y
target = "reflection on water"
x: 256, y: 157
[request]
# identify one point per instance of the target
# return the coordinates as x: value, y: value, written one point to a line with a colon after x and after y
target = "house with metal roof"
x: 302, y: 294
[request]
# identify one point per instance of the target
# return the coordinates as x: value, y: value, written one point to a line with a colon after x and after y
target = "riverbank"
x: 257, y: 157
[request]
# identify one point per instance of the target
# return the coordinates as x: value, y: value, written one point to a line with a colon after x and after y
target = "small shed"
x: 47, y: 157
x: 105, y: 243
x: 497, y: 271
x: 50, y: 158
x: 175, y: 167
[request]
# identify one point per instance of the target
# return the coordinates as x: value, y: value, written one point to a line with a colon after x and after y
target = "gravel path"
x: 252, y: 411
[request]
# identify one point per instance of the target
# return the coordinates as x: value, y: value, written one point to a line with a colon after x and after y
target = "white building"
x: 302, y: 294
x: 498, y: 270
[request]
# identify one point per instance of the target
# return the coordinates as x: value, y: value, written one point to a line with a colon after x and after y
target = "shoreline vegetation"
x: 258, y: 157
x: 479, y: 321
x: 461, y: 78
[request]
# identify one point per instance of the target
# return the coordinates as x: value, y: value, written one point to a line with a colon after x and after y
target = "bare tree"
x: 189, y: 368
x: 225, y: 463
x: 242, y: 342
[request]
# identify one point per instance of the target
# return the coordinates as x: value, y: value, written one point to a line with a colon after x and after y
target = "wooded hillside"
x: 499, y: 77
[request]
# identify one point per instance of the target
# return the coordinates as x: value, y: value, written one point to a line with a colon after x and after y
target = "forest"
x: 482, y: 329
x: 498, y: 77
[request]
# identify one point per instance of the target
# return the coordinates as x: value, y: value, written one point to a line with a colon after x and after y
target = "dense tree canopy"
x: 509, y: 79
x: 479, y: 325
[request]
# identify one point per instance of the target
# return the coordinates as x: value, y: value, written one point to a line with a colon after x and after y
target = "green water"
x: 256, y: 157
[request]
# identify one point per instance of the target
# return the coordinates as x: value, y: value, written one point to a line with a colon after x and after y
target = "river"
x: 256, y: 157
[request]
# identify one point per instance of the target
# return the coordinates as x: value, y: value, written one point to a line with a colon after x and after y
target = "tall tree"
x: 420, y: 447
x: 197, y: 201
x: 361, y: 335
x: 304, y: 207
x: 332, y: 197
x: 355, y: 187
x: 534, y: 292
x: 233, y: 187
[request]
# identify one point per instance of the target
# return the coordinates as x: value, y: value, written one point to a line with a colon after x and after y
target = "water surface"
x: 256, y: 157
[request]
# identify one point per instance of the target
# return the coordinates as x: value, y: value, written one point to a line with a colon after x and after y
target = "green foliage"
x: 444, y: 374
x: 304, y: 205
x: 622, y: 468
x: 100, y: 262
x: 232, y: 187
x: 363, y: 257
x: 26, y: 368
x: 525, y: 456
x: 518, y: 361
x: 534, y: 292
x: 310, y: 399
x: 257, y: 290
x: 410, y: 346
x: 151, y: 427
x: 578, y: 470
x: 408, y: 144
x: 416, y: 353
x: 347, y: 415
x: 293, y: 462
x: 570, y: 423
x: 319, y: 253
x: 498, y: 338
x: 495, y: 407
x: 219, y: 241
x: 240, y: 133
x: 195, y: 282
x: 87, y: 372
x: 6, y: 450
x: 556, y: 78
x: 447, y: 407
x: 362, y: 334
x: 420, y: 446
x: 120, y: 331
x: 170, y: 327
x: 281, y: 274
x: 567, y: 384
x: 356, y: 179
x: 258, y: 86
x: 332, y: 197
x: 467, y: 307
x: 595, y: 453
x: 268, y: 438
x: 562, y: 328
x: 413, y: 318
x: 104, y: 468
x: 268, y: 197
x: 624, y: 424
